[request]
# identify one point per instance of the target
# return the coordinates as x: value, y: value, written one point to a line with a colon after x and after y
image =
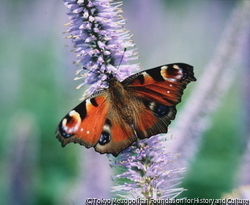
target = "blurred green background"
x: 37, y: 90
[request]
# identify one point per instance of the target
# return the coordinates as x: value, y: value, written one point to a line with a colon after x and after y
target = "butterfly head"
x: 111, y: 78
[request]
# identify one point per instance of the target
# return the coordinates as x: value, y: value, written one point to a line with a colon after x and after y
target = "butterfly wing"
x: 93, y: 123
x: 84, y: 124
x: 159, y: 89
x: 117, y: 136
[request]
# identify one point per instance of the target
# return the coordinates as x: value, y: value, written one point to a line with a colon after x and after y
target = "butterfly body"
x: 140, y: 106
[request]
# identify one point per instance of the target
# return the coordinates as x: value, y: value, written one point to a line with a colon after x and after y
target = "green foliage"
x: 213, y: 171
x: 30, y: 85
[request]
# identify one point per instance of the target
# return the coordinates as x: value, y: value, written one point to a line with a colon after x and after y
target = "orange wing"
x: 93, y: 124
x: 159, y: 89
x: 163, y: 84
x: 120, y: 136
x: 84, y: 124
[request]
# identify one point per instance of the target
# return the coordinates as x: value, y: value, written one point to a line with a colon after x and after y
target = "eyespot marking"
x: 104, y: 138
x: 70, y: 124
x: 161, y: 110
x: 164, y: 71
x: 158, y: 109
x: 105, y: 135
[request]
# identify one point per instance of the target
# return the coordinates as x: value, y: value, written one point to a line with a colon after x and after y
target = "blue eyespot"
x: 160, y: 110
x: 63, y: 133
x: 104, y: 139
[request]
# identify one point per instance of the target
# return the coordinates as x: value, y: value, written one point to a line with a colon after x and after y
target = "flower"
x: 104, y: 47
x: 145, y: 164
x: 102, y: 44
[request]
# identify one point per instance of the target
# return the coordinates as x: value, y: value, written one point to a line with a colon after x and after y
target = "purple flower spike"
x: 104, y: 47
x: 100, y: 41
x: 146, y: 164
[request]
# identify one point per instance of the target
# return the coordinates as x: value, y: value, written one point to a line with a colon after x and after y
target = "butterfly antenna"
x: 90, y: 71
x: 122, y: 58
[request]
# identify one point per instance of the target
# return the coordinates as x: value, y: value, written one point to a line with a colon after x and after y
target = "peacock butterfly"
x: 140, y: 106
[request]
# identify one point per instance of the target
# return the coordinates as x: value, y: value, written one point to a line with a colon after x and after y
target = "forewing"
x: 159, y: 90
x: 84, y: 124
x: 163, y: 85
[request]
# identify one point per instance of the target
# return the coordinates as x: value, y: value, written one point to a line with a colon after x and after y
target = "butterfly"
x: 140, y: 106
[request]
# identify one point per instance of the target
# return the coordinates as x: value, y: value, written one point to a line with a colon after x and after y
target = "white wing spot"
x: 176, y: 67
x: 170, y: 85
x: 88, y: 101
x: 106, y: 128
x: 88, y: 132
x: 163, y: 71
x: 64, y: 122
x: 168, y: 91
x: 152, y: 105
x: 72, y: 113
